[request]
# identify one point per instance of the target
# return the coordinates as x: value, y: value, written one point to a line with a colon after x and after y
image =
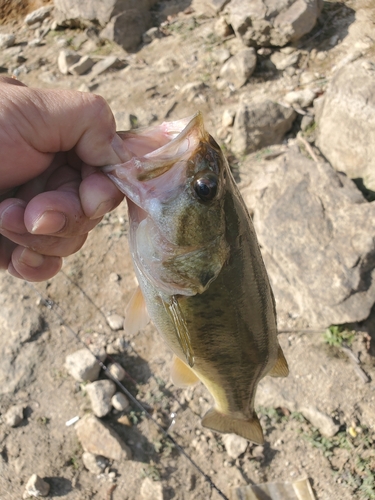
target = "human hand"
x: 51, y: 194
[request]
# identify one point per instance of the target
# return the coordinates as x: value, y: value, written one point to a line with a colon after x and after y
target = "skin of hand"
x: 51, y: 194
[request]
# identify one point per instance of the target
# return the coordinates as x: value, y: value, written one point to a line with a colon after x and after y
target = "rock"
x: 347, y: 121
x: 120, y: 402
x: 99, y: 439
x: 117, y: 371
x: 152, y: 490
x: 36, y: 42
x: 114, y: 277
x: 316, y: 232
x: 165, y: 65
x: 228, y: 118
x: 38, y: 15
x: 300, y: 98
x: 126, y: 29
x: 321, y: 421
x: 264, y: 23
x: 7, y: 40
x: 192, y: 90
x: 94, y: 463
x: 66, y: 59
x: 104, y: 65
x: 259, y: 125
x: 83, y: 366
x: 36, y: 487
x: 151, y: 34
x: 82, y: 66
x: 238, y: 69
x: 100, y: 394
x: 14, y: 416
x: 220, y: 55
x: 115, y: 322
x: 235, y: 445
x: 306, y: 122
x: 282, y: 61
x: 222, y: 28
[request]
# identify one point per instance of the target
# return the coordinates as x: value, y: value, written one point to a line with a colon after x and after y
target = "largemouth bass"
x: 200, y: 271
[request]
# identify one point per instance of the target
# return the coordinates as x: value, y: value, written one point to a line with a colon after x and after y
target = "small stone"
x: 192, y: 90
x: 323, y: 422
x: 238, y: 69
x: 307, y: 77
x: 94, y: 463
x: 83, y: 366
x: 120, y: 402
x: 124, y: 420
x: 114, y: 277
x: 38, y: 15
x: 222, y: 28
x: 235, y: 445
x: 36, y: 42
x: 117, y: 371
x: 228, y: 118
x: 82, y: 66
x: 151, y: 34
x: 65, y: 59
x: 264, y: 51
x: 115, y: 322
x: 62, y: 42
x: 7, y: 40
x: 14, y: 416
x: 100, y: 394
x: 258, y: 452
x: 306, y: 122
x: 283, y: 61
x: 84, y: 88
x: 104, y: 65
x: 303, y: 98
x: 36, y: 487
x: 321, y: 56
x: 99, y: 439
x: 220, y: 55
x: 165, y: 65
x: 152, y: 490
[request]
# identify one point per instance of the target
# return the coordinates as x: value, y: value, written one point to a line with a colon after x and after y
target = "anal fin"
x: 249, y: 429
x: 136, y: 316
x: 280, y: 368
x: 181, y: 374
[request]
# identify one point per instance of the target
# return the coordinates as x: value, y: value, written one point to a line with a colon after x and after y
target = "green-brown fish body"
x: 201, y: 273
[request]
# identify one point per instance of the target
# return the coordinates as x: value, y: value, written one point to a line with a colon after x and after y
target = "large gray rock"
x: 316, y: 231
x: 126, y: 29
x: 260, y: 124
x: 346, y: 126
x: 98, y: 10
x: 272, y: 22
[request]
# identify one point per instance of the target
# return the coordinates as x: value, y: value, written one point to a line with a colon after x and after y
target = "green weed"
x: 337, y: 335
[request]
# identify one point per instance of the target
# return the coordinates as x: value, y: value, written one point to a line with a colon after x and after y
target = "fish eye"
x: 206, y: 187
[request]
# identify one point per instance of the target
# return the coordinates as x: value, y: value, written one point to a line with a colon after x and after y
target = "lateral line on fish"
x: 50, y: 304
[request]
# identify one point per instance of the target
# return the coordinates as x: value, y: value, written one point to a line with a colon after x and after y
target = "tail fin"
x: 249, y: 429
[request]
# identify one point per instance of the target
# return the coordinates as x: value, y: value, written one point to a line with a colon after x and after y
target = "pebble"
x: 119, y: 401
x: 283, y: 61
x: 264, y: 51
x: 221, y: 55
x: 151, y: 34
x: 258, y: 452
x: 222, y: 28
x: 100, y: 394
x: 94, y: 463
x: 14, y: 416
x: 152, y: 490
x: 38, y: 15
x: 117, y: 371
x: 303, y: 98
x: 36, y: 487
x: 323, y: 422
x: 82, y: 66
x: 36, y: 42
x: 235, y: 445
x: 115, y: 322
x: 228, y: 118
x: 65, y: 60
x: 238, y: 69
x: 104, y: 65
x: 99, y: 439
x: 7, y: 40
x: 83, y: 366
x: 306, y: 122
x: 114, y: 277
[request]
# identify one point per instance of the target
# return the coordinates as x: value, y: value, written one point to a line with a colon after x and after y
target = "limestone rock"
x: 66, y: 59
x: 14, y: 416
x: 235, y: 445
x: 94, y: 463
x: 100, y: 394
x: 264, y: 23
x: 316, y: 232
x: 321, y: 421
x: 83, y: 366
x: 115, y: 322
x: 283, y: 61
x: 126, y: 29
x: 38, y: 15
x: 347, y: 121
x: 117, y: 371
x: 82, y: 66
x: 300, y: 98
x: 36, y: 487
x: 260, y: 124
x: 238, y: 69
x: 151, y: 34
x: 152, y: 489
x: 99, y: 439
x: 120, y: 401
x: 7, y: 40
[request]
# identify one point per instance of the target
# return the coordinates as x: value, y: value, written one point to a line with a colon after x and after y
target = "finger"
x: 6, y: 249
x: 12, y: 213
x: 98, y: 195
x: 57, y: 213
x: 32, y: 266
x: 47, y: 245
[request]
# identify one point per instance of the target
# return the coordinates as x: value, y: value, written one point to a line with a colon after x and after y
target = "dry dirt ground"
x: 85, y: 293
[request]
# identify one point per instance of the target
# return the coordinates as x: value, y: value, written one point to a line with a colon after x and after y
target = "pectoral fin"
x: 280, y: 368
x: 181, y: 374
x: 136, y: 316
x: 182, y: 332
x: 249, y: 429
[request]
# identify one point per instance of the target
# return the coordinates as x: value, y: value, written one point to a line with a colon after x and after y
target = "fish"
x: 202, y: 279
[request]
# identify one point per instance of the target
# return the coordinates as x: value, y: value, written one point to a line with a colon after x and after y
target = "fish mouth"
x: 150, y: 172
